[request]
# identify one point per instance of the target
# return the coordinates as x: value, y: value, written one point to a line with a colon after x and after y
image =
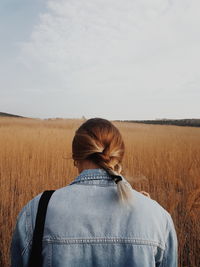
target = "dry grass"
x: 35, y: 155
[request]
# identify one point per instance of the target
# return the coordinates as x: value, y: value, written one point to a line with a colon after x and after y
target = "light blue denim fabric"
x: 87, y: 226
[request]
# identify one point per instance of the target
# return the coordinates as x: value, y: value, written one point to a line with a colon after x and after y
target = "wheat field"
x: 35, y: 155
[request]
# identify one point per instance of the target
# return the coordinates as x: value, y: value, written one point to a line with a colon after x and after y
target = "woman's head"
x: 99, y: 141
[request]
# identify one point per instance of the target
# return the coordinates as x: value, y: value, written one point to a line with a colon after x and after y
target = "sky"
x: 116, y: 59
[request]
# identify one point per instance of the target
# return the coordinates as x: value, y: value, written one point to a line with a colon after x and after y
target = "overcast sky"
x: 117, y: 59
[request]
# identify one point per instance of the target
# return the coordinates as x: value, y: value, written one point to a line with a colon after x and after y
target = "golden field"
x: 35, y: 155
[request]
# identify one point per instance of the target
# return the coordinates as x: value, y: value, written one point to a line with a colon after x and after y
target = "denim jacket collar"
x: 93, y: 176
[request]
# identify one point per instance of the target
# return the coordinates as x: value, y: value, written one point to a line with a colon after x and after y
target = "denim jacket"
x: 87, y: 226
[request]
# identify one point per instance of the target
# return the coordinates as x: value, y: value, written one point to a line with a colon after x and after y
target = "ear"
x: 76, y: 163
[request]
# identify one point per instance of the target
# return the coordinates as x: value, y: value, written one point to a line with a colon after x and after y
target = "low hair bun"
x: 99, y: 157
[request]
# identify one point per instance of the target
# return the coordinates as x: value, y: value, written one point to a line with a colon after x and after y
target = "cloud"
x: 121, y: 49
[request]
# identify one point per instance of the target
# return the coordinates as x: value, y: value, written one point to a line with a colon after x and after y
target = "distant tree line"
x: 182, y: 122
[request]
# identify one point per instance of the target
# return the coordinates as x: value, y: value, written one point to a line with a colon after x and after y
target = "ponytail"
x: 124, y: 189
x: 125, y: 192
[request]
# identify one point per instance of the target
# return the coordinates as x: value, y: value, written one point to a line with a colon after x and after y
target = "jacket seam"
x: 166, y: 237
x: 95, y: 184
x: 28, y: 229
x: 103, y: 241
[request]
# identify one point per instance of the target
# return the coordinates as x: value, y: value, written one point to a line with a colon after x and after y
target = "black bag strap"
x: 35, y: 258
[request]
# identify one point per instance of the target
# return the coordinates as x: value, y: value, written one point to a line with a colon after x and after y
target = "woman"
x: 98, y: 220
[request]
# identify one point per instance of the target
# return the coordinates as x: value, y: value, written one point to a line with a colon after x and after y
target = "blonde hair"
x: 100, y: 141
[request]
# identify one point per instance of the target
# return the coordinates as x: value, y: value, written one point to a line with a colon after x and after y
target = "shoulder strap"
x: 35, y: 258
